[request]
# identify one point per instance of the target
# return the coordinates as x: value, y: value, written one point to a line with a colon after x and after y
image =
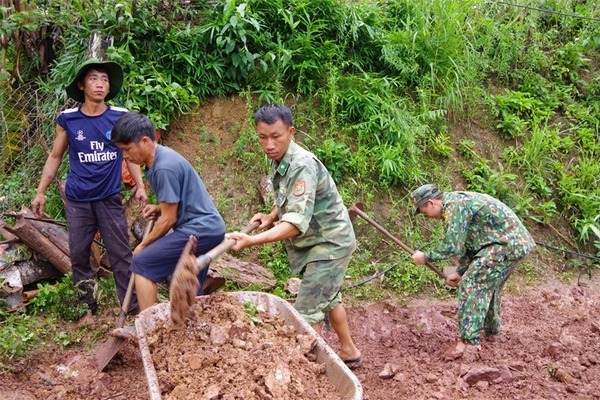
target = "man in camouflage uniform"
x: 313, y: 223
x: 489, y: 240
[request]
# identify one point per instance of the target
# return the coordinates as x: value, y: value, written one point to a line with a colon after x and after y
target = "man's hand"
x: 453, y: 279
x: 242, y: 240
x: 140, y: 196
x: 37, y: 205
x: 151, y: 211
x: 419, y: 258
x: 264, y: 219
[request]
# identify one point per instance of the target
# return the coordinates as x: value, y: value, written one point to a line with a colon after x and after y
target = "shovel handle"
x: 359, y: 212
x: 204, y: 260
x: 129, y: 293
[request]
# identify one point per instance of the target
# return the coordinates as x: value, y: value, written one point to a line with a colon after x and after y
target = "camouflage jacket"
x: 307, y: 197
x: 475, y: 221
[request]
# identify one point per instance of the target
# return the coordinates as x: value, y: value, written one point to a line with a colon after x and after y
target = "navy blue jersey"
x: 95, y: 163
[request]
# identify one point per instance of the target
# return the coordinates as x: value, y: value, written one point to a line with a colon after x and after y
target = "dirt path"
x: 550, y: 349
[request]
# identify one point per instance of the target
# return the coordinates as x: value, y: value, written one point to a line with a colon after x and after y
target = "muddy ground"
x: 549, y: 349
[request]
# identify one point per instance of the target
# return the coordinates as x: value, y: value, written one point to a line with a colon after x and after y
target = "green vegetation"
x: 381, y: 92
x: 22, y: 334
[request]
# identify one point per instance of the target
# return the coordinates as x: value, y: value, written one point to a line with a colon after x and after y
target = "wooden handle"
x: 359, y: 212
x: 129, y: 293
x: 205, y: 259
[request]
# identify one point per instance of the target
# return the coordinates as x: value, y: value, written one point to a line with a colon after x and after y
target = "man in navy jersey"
x: 93, y: 184
x: 185, y: 208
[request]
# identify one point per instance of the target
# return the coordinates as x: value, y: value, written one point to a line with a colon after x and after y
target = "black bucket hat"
x: 115, y: 76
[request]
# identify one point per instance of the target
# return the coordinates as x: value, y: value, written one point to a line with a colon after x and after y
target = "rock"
x: 292, y: 285
x: 517, y: 366
x: 399, y: 377
x: 211, y: 393
x: 505, y: 375
x: 482, y: 385
x: 179, y: 393
x: 388, y: 371
x: 478, y: 374
x: 195, y: 362
x: 277, y: 381
x: 569, y: 340
x: 595, y: 327
x: 562, y: 375
x: 431, y: 378
x: 555, y: 349
x: 218, y: 335
x: 572, y: 389
x: 306, y: 343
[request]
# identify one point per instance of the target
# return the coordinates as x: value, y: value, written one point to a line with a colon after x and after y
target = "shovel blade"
x: 108, y: 351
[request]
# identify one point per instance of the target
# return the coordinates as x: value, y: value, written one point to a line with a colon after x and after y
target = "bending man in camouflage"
x: 489, y: 240
x: 313, y: 223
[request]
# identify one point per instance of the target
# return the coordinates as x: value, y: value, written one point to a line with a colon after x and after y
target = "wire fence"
x: 26, y: 134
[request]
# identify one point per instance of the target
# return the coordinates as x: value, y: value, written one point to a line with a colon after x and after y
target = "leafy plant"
x: 496, y: 183
x: 334, y: 156
x: 18, y: 334
x: 60, y: 299
x: 440, y: 144
x: 465, y: 148
x: 251, y: 311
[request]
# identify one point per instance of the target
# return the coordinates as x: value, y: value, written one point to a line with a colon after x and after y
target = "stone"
x: 292, y: 285
x: 218, y: 335
x: 478, y: 374
x: 388, y: 371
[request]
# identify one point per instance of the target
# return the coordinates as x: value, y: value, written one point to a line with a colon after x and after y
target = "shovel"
x: 184, y: 284
x: 357, y: 208
x: 114, y: 344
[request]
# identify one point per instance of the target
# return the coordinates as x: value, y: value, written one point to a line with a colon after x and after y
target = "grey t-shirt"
x: 174, y: 180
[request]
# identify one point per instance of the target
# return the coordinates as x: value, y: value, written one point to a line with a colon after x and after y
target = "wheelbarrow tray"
x: 340, y: 376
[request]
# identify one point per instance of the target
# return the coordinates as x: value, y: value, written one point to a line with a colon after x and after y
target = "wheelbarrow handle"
x: 364, y: 216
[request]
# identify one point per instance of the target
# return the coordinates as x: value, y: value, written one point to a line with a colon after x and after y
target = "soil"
x: 227, y: 351
x: 549, y: 349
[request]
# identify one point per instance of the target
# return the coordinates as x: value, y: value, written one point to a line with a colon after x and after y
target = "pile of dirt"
x: 227, y: 350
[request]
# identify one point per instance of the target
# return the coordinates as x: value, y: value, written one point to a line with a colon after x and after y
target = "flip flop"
x: 354, y: 363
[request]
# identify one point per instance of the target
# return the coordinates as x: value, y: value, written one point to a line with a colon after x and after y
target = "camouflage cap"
x: 424, y: 193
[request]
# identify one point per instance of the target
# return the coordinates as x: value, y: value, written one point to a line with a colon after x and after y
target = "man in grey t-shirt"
x: 185, y: 207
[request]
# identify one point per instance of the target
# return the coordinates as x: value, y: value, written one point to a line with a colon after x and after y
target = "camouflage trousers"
x: 320, y: 288
x: 479, y: 294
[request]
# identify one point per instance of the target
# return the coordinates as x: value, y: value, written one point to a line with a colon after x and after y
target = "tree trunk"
x: 39, y: 243
x: 55, y: 233
x: 32, y: 271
